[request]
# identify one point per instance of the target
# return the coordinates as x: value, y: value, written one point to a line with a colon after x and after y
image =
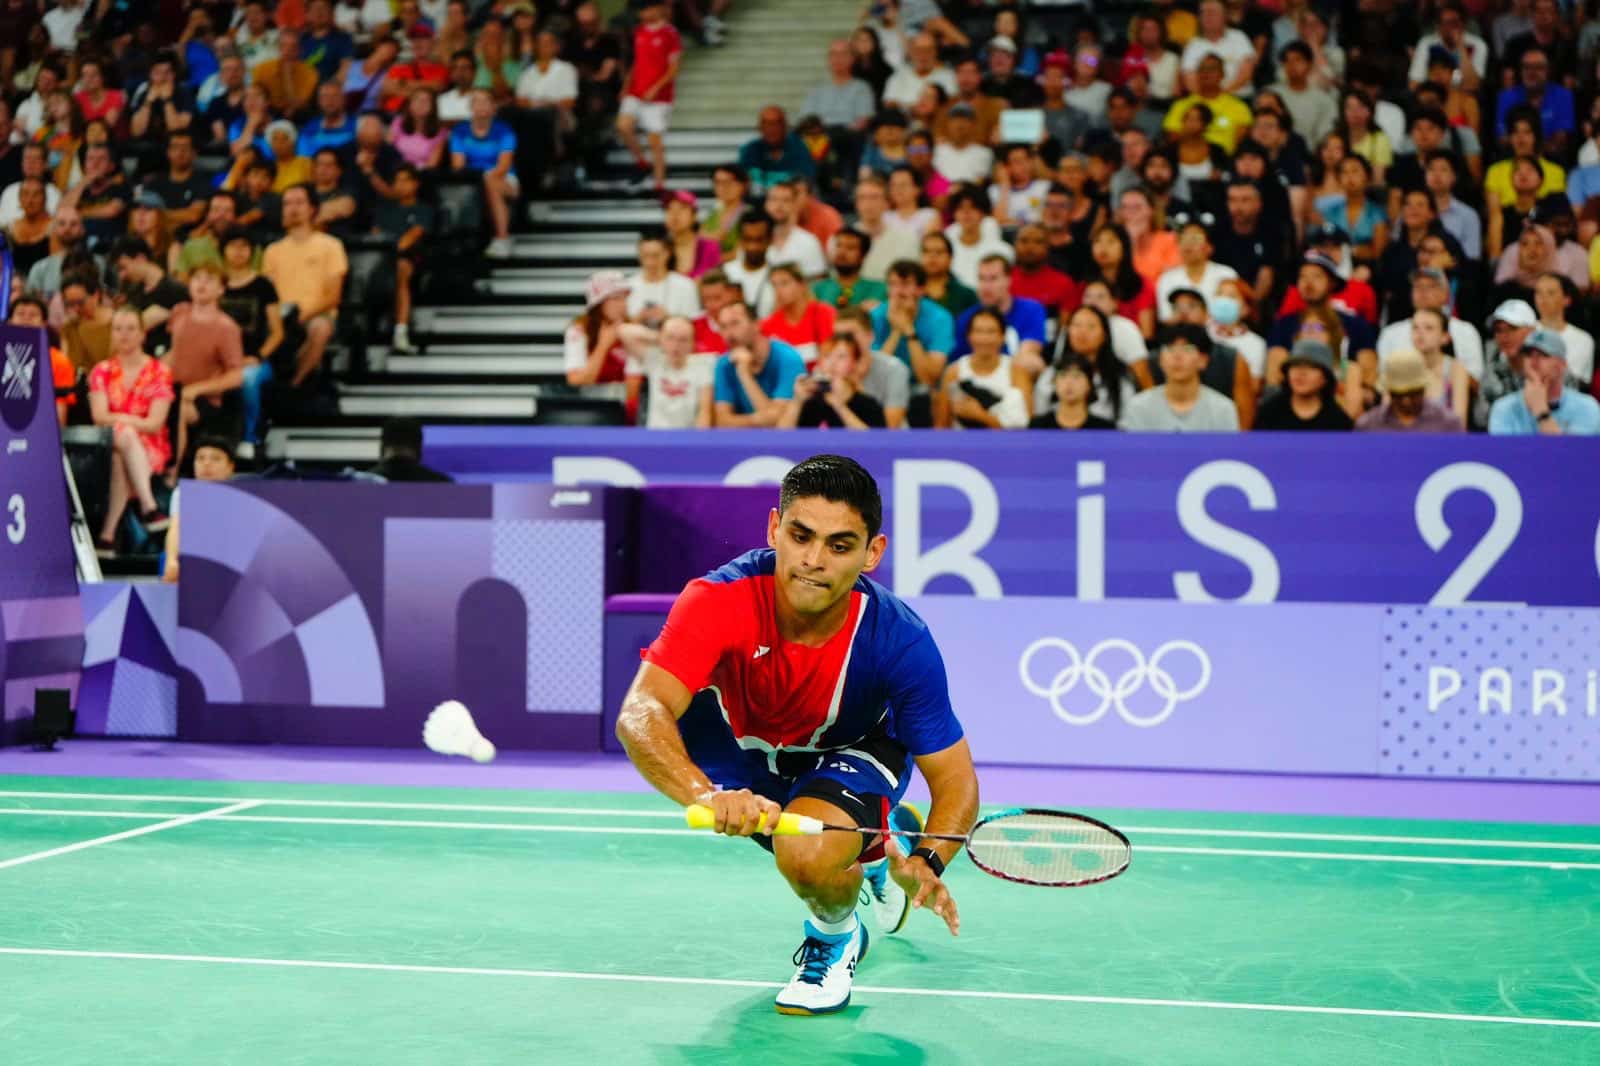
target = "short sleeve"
x: 880, y: 317
x: 726, y: 384
x: 695, y: 634
x: 1029, y: 322
x: 97, y: 376
x: 790, y: 368
x: 938, y: 331
x: 574, y: 349
x: 919, y: 694
x: 161, y: 384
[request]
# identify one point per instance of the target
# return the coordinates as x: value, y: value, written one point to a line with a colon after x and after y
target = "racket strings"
x: 1045, y: 850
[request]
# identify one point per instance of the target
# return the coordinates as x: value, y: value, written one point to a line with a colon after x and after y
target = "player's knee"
x: 805, y: 862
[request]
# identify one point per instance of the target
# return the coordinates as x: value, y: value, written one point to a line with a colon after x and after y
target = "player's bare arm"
x: 648, y: 730
x: 953, y: 784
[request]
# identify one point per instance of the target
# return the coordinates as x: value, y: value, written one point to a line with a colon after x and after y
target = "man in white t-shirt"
x: 1216, y: 37
x: 1430, y: 290
x: 30, y: 113
x: 905, y: 85
x: 790, y: 243
x: 751, y: 269
x: 1021, y: 199
x: 35, y: 160
x: 679, y: 382
x: 455, y: 103
x: 1196, y: 271
x: 549, y: 81
x: 958, y: 156
x: 657, y: 291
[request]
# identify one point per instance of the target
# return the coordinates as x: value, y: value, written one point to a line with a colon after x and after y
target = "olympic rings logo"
x: 1087, y: 669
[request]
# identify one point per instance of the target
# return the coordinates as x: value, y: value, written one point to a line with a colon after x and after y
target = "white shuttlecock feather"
x: 450, y: 730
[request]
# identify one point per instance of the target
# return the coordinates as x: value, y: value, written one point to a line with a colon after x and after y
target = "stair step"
x: 448, y: 401
x: 527, y: 363
x: 602, y: 215
x: 472, y: 322
x: 700, y: 160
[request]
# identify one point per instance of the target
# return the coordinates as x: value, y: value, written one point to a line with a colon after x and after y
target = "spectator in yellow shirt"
x: 1230, y: 116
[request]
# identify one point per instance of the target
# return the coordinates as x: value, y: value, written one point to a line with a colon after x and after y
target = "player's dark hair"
x: 835, y: 478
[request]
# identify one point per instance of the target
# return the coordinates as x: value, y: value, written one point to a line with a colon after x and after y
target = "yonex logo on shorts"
x: 1087, y: 669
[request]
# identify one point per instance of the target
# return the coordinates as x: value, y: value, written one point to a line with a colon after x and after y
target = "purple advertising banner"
x: 1289, y: 688
x: 340, y: 613
x: 1254, y: 518
x: 41, y: 621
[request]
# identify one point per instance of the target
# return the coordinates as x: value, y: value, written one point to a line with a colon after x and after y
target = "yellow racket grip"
x: 699, y: 816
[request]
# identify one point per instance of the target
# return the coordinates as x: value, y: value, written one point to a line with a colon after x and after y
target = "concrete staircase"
x: 493, y: 356
x: 777, y: 50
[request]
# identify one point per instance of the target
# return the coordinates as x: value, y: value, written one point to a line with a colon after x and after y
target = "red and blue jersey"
x: 880, y: 677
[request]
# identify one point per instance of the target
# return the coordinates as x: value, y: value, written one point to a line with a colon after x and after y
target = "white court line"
x: 171, y: 823
x: 628, y: 830
x: 625, y: 812
x: 722, y: 982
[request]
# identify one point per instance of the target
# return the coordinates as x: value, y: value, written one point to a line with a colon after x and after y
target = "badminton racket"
x: 1027, y: 845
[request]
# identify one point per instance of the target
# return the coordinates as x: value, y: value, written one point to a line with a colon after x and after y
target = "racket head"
x: 1056, y: 849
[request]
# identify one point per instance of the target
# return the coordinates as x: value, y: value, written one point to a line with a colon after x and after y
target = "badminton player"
x: 788, y: 681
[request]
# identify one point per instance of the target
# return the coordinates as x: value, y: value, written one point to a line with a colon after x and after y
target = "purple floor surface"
x: 1486, y: 801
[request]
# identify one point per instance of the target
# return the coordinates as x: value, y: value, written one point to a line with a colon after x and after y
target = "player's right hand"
x: 739, y: 812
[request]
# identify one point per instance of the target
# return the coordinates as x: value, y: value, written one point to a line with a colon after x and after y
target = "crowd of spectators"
x: 189, y: 190
x: 1226, y: 215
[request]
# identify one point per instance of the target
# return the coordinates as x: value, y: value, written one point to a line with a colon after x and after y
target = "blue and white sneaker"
x: 827, y: 968
x: 888, y: 902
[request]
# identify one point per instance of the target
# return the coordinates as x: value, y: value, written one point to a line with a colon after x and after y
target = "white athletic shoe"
x: 499, y: 248
x: 888, y: 901
x: 826, y: 969
x: 402, y: 339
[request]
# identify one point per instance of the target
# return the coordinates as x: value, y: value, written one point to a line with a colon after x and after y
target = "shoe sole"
x: 806, y: 1012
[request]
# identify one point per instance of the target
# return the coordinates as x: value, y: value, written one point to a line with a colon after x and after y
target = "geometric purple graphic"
x: 1491, y: 693
x: 130, y: 674
x: 286, y: 617
x: 341, y: 613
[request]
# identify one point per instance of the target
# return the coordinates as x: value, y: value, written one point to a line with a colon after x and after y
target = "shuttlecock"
x: 450, y: 730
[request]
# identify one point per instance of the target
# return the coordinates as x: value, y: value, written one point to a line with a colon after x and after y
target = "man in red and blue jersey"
x: 786, y: 681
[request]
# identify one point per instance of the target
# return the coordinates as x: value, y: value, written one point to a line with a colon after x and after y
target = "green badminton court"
x: 180, y: 922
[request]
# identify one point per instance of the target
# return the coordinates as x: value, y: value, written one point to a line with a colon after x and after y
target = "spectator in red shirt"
x: 647, y: 99
x: 1035, y: 279
x: 716, y: 292
x: 423, y: 72
x: 1356, y: 297
x: 804, y: 322
x: 1112, y: 252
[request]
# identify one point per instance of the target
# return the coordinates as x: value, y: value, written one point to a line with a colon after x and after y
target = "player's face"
x: 822, y: 548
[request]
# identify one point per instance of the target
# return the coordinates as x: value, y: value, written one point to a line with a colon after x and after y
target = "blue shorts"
x: 862, y: 780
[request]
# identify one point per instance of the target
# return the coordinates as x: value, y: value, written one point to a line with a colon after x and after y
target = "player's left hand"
x: 922, y: 885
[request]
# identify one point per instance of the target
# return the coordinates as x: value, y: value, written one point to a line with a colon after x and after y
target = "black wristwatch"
x: 1547, y: 416
x: 931, y: 857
